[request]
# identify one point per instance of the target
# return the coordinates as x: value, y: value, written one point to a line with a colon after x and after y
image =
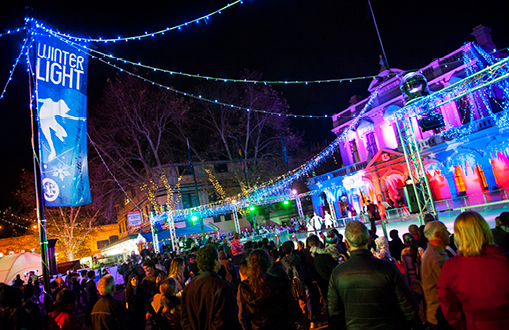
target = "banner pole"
x: 41, y: 220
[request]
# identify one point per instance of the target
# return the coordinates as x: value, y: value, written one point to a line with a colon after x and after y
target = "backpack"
x: 297, y: 289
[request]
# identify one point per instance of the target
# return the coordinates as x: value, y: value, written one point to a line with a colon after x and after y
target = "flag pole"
x: 41, y: 220
x: 378, y: 33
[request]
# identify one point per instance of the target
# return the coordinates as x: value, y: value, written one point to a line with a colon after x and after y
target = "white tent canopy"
x: 20, y: 263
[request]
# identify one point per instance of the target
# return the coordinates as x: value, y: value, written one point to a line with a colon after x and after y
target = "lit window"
x: 354, y: 151
x: 371, y: 144
x: 480, y: 172
x: 458, y: 179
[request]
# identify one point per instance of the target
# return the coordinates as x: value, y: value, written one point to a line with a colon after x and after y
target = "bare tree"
x: 257, y: 133
x: 135, y: 129
x: 72, y: 226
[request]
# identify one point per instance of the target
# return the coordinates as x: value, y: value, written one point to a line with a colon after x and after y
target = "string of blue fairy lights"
x: 191, y: 95
x: 146, y: 34
x: 281, y: 184
x: 106, y: 60
x: 12, y: 31
x: 14, y: 68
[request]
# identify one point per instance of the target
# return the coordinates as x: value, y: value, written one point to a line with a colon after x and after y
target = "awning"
x: 190, y: 230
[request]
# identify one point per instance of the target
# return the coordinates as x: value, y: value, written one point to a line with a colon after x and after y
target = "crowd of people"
x: 427, y: 280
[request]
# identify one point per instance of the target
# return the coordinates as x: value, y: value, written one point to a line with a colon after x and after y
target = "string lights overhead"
x: 204, y: 18
x: 13, y: 68
x: 275, y: 186
x: 12, y: 31
x: 191, y: 95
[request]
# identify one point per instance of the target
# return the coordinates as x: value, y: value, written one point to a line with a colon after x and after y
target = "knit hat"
x: 331, y: 238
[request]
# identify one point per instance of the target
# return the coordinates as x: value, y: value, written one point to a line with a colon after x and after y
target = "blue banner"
x: 61, y: 78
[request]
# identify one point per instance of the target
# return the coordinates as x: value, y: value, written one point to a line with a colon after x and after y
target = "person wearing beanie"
x: 331, y: 247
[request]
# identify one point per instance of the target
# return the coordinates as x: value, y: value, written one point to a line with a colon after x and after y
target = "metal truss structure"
x: 427, y: 105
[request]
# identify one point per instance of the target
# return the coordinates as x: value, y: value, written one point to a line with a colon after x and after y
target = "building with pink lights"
x: 466, y: 161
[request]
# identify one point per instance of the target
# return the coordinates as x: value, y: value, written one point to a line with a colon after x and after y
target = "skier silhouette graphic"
x: 47, y: 113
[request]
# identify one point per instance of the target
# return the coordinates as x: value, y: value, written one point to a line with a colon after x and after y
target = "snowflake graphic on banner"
x: 60, y: 171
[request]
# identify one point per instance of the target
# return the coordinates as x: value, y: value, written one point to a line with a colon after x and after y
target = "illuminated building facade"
x: 466, y: 160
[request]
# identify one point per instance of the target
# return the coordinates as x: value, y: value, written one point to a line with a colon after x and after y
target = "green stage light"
x: 286, y: 202
x: 251, y: 208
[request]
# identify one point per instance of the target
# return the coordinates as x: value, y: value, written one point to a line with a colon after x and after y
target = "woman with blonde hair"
x: 176, y: 274
x: 473, y: 288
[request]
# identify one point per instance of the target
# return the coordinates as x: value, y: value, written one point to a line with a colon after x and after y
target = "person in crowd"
x: 422, y: 241
x: 292, y: 264
x: 12, y: 314
x: 208, y: 301
x: 127, y: 270
x: 84, y: 279
x: 150, y: 287
x: 382, y: 249
x: 18, y: 281
x: 341, y: 243
x: 170, y: 314
x: 92, y: 296
x: 396, y: 245
x: 501, y: 231
x: 267, y: 300
x: 365, y: 292
x: 243, y: 274
x: 411, y: 257
x: 237, y: 250
x: 31, y: 306
x: 63, y: 317
x: 431, y: 267
x: 414, y: 230
x: 331, y: 246
x: 109, y: 314
x: 36, y: 283
x: 150, y: 283
x: 226, y: 247
x: 374, y: 215
x: 75, y: 286
x: 323, y: 266
x: 134, y: 302
x: 229, y: 272
x: 54, y: 290
x: 176, y: 274
x: 411, y: 247
x: 473, y: 289
x: 383, y: 209
x: 327, y: 220
x: 191, y: 262
x: 317, y: 222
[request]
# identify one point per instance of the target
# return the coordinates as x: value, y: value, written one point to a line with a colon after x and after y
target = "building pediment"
x: 383, y: 156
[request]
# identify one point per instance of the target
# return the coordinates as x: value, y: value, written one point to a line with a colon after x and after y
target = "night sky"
x: 282, y: 39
